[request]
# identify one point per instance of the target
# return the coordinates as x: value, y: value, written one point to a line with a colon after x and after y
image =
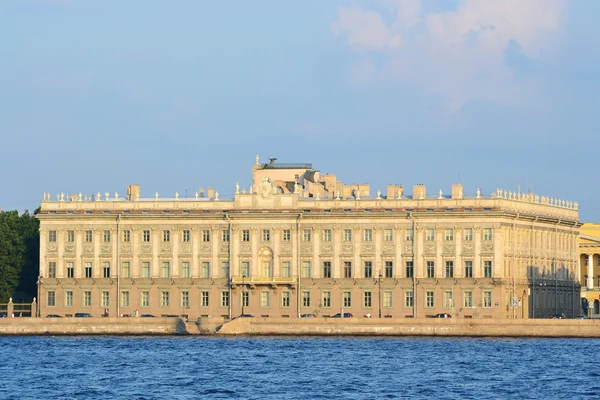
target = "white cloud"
x: 460, y: 53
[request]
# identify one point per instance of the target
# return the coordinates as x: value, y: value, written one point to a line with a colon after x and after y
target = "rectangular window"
x: 468, y: 299
x: 285, y: 299
x: 87, y: 298
x: 347, y: 235
x: 449, y: 269
x: 368, y: 270
x: 206, y: 235
x: 487, y: 299
x: 266, y: 269
x: 126, y: 236
x: 388, y: 235
x: 185, y: 299
x: 51, y: 237
x: 429, y: 299
x: 448, y: 301
x: 389, y: 269
x: 185, y: 236
x: 204, y: 299
x: 105, y: 299
x: 367, y: 299
x: 306, y: 298
x: 327, y: 235
x: 408, y: 299
x: 326, y: 269
x: 88, y: 269
x: 126, y: 269
x: 430, y: 235
x: 89, y: 236
x: 264, y: 299
x: 245, y: 235
x: 164, y: 298
x: 205, y: 269
x: 487, y: 269
x: 166, y: 236
x: 449, y: 234
x: 409, y: 269
x: 70, y: 270
x: 165, y: 271
x: 368, y: 235
x: 245, y: 271
x: 487, y: 233
x: 286, y: 271
x: 68, y: 298
x: 387, y: 299
x: 430, y: 269
x: 245, y: 298
x: 347, y: 269
x: 225, y: 236
x: 468, y: 269
x: 347, y: 299
x: 70, y: 236
x: 51, y: 297
x: 306, y: 269
x: 468, y: 236
x: 306, y: 235
x: 185, y: 269
x: 225, y: 269
x: 106, y: 236
x: 409, y: 235
x: 326, y: 299
x: 146, y: 236
x: 266, y: 235
x: 125, y: 299
x: 145, y: 299
x: 145, y: 269
x: 106, y: 270
x: 286, y: 235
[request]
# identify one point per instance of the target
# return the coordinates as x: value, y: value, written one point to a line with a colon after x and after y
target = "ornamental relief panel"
x: 185, y: 249
x: 205, y: 248
x: 326, y: 248
x: 429, y: 248
x: 347, y: 248
x: 224, y: 248
x: 146, y: 249
x: 468, y: 248
x: 70, y: 249
x: 165, y: 248
x: 368, y: 248
x: 408, y: 247
x: 285, y: 248
x: 487, y: 248
x: 126, y: 248
x: 245, y: 248
x: 105, y: 249
x: 306, y: 248
x: 52, y: 248
x: 449, y: 248
x: 388, y: 248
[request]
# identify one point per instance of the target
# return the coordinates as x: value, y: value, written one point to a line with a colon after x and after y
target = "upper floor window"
x: 468, y: 234
x: 327, y: 235
x: 88, y: 236
x: 146, y: 236
x: 430, y: 234
x: 306, y: 235
x: 126, y: 236
x: 246, y: 235
x: 70, y: 236
x: 409, y: 235
x: 106, y: 236
x: 266, y: 235
x: 286, y: 235
x: 449, y: 234
x: 185, y: 236
x: 487, y: 233
x: 449, y: 269
x: 347, y: 235
x: 487, y: 269
x: 388, y: 235
x: 52, y: 236
x: 166, y: 236
x: 225, y: 236
x: 368, y: 235
x: 368, y: 272
x: 206, y: 235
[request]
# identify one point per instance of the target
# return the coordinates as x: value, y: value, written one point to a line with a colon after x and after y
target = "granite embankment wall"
x: 92, y: 326
x: 413, y: 327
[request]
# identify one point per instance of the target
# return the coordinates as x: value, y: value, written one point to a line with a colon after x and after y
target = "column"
x: 255, y: 269
x: 398, y: 243
x: 337, y: 249
x: 176, y: 233
x: 590, y: 273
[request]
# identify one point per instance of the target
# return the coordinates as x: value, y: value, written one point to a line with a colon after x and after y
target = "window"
x: 409, y: 269
x: 51, y: 298
x: 145, y: 269
x: 125, y: 299
x: 468, y: 299
x: 106, y: 270
x: 246, y: 235
x: 449, y: 269
x: 388, y: 235
x: 408, y: 299
x: 306, y: 298
x: 146, y: 236
x: 387, y: 299
x: 327, y: 235
x: 105, y: 299
x: 487, y: 233
x: 68, y: 298
x: 245, y: 298
x: 264, y: 299
x: 245, y: 269
x: 165, y: 271
x: 326, y: 299
x: 166, y: 236
x: 468, y: 234
x: 51, y: 237
x: 164, y: 298
x: 205, y: 269
x: 185, y: 236
x: 448, y: 301
x: 347, y: 299
x: 225, y: 269
x: 368, y: 235
x: 367, y: 299
x: 88, y: 236
x: 430, y: 235
x: 306, y: 269
x: 347, y: 235
x: 266, y: 235
x: 204, y: 299
x: 185, y: 299
x: 225, y: 236
x: 430, y: 269
x: 429, y: 299
x: 285, y: 269
x: 88, y: 269
x: 70, y: 270
x: 326, y: 269
x: 285, y: 299
x: 347, y: 269
x: 389, y: 269
x: 487, y: 269
x: 449, y: 234
x: 306, y: 235
x: 206, y: 236
x: 126, y: 269
x: 145, y: 299
x: 409, y: 235
x: 468, y: 269
x: 487, y: 299
x: 266, y: 269
x: 286, y: 235
x: 70, y: 236
x: 87, y: 298
x: 185, y: 269
x: 368, y: 271
x: 106, y: 236
x: 126, y: 236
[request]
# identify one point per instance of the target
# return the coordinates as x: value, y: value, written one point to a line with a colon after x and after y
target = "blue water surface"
x: 297, y: 368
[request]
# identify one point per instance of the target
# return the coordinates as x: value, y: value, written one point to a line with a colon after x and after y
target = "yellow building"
x: 589, y: 272
x: 297, y: 242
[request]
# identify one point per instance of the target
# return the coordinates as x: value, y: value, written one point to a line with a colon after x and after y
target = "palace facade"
x: 300, y: 242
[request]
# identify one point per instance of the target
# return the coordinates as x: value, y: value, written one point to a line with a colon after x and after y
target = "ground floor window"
x: 51, y: 298
x: 164, y: 299
x: 347, y: 299
x: 487, y: 298
x: 145, y: 299
x: 448, y: 299
x: 68, y: 298
x: 285, y: 299
x: 387, y: 299
x: 185, y: 299
x: 408, y: 299
x: 224, y: 299
x: 125, y: 299
x: 204, y: 299
x: 264, y: 299
x: 105, y: 299
x: 326, y: 299
x: 368, y: 299
x: 87, y: 298
x: 306, y: 299
x: 468, y: 299
x: 429, y: 299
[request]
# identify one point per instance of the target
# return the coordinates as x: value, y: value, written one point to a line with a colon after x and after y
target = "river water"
x: 297, y: 368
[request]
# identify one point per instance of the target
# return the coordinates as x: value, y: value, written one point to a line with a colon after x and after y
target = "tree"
x: 12, y: 251
x: 29, y: 230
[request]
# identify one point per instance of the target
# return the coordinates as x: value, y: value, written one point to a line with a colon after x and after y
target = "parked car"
x: 580, y: 316
x: 346, y: 315
x: 146, y: 316
x: 442, y: 315
x: 308, y: 316
x: 53, y: 316
x: 83, y: 315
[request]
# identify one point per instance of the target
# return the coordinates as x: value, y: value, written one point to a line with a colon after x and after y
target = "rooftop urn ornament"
x: 216, y: 195
x: 98, y: 196
x: 244, y: 191
x: 357, y: 194
x: 176, y: 195
x: 237, y: 188
x: 116, y: 196
x: 250, y: 190
x: 337, y: 195
x: 478, y: 193
x: 106, y: 196
x: 80, y: 196
x: 378, y: 194
x: 318, y: 196
x: 296, y: 188
x: 62, y: 197
x: 399, y: 196
x: 441, y: 195
x: 156, y: 196
x: 196, y: 195
x: 256, y: 164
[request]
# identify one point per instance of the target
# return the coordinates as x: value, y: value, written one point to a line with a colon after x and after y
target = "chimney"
x: 457, y: 191
x: 419, y: 192
x: 211, y: 192
x: 133, y: 192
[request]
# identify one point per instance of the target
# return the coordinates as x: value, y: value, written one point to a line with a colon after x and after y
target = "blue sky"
x: 182, y: 95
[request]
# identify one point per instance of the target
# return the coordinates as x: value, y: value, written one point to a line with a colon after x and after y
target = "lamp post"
x: 243, y: 293
x: 380, y: 276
